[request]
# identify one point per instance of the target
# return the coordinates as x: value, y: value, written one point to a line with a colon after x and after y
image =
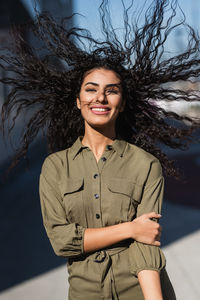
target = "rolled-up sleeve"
x: 66, y: 238
x: 143, y: 256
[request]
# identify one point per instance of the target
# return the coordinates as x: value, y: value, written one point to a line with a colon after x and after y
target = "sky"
x: 176, y: 42
x: 89, y: 9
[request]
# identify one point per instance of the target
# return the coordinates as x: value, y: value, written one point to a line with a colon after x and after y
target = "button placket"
x: 101, y: 164
x: 96, y: 180
x: 103, y: 160
x: 97, y: 196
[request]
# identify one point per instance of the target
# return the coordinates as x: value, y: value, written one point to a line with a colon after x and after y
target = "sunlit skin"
x: 100, y: 100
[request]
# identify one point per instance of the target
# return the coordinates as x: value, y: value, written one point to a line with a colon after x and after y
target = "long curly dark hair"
x: 50, y: 89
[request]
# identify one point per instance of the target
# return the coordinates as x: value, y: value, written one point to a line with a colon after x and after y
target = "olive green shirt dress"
x: 77, y: 193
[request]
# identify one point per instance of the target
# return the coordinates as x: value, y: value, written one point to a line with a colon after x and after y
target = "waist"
x: 101, y: 254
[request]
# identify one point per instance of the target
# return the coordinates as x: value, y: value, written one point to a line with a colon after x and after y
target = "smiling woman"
x: 101, y: 191
x: 100, y: 100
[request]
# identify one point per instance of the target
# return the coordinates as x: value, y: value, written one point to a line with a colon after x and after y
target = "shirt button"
x: 104, y: 158
x: 97, y: 216
x: 95, y: 176
x: 96, y: 196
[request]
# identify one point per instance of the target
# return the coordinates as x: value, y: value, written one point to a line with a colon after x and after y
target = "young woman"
x: 97, y: 199
x: 101, y: 191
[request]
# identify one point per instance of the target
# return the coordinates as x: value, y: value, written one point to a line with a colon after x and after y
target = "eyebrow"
x: 118, y: 84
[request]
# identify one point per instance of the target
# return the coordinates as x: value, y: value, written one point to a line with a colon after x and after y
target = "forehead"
x: 101, y: 76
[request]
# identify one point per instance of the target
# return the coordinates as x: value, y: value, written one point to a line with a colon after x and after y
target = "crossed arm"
x: 71, y: 239
x: 141, y: 229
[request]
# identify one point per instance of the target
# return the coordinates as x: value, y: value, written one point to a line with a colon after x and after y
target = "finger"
x: 159, y: 228
x: 158, y: 236
x: 153, y: 215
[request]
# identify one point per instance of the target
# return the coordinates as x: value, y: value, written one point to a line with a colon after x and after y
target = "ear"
x: 78, y: 103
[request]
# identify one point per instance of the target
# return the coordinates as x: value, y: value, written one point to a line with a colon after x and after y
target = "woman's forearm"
x: 141, y: 229
x: 98, y: 238
x: 150, y: 284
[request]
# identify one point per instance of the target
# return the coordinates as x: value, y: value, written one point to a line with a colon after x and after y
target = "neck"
x: 97, y: 139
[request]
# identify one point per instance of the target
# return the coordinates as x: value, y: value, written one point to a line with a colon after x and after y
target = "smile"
x: 100, y: 109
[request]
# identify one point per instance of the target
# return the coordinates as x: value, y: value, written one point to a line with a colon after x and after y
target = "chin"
x: 100, y: 125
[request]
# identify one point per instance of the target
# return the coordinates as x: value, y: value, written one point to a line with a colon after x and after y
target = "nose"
x: 101, y: 96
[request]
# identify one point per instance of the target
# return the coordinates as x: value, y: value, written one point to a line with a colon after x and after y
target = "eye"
x: 112, y: 91
x: 90, y: 90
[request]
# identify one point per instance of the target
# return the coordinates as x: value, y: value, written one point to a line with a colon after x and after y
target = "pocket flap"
x: 71, y: 186
x: 121, y: 186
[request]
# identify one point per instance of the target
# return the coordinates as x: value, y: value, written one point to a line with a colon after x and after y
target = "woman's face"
x: 100, y: 99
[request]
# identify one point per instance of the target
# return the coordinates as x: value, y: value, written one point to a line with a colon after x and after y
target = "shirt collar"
x: 118, y: 145
x: 77, y: 147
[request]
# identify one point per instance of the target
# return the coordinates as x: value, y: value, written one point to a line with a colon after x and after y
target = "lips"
x: 100, y: 109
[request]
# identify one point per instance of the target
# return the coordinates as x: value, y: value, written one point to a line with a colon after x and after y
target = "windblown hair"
x: 50, y: 89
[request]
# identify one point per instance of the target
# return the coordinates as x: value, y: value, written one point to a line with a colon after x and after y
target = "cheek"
x: 119, y: 104
x: 84, y: 108
x: 86, y: 98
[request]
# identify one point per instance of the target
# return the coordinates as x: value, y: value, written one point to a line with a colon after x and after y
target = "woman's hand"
x: 142, y: 229
x: 146, y: 231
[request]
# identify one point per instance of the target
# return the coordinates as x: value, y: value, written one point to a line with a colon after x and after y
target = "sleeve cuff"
x: 69, y: 240
x: 79, y: 239
x: 145, y: 257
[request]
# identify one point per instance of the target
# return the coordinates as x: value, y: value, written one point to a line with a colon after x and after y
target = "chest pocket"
x: 72, y: 194
x: 124, y: 197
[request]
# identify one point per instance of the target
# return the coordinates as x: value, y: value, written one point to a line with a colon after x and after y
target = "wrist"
x: 128, y: 230
x: 131, y: 230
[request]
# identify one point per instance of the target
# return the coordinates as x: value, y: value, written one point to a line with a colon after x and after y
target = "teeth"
x: 99, y: 109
